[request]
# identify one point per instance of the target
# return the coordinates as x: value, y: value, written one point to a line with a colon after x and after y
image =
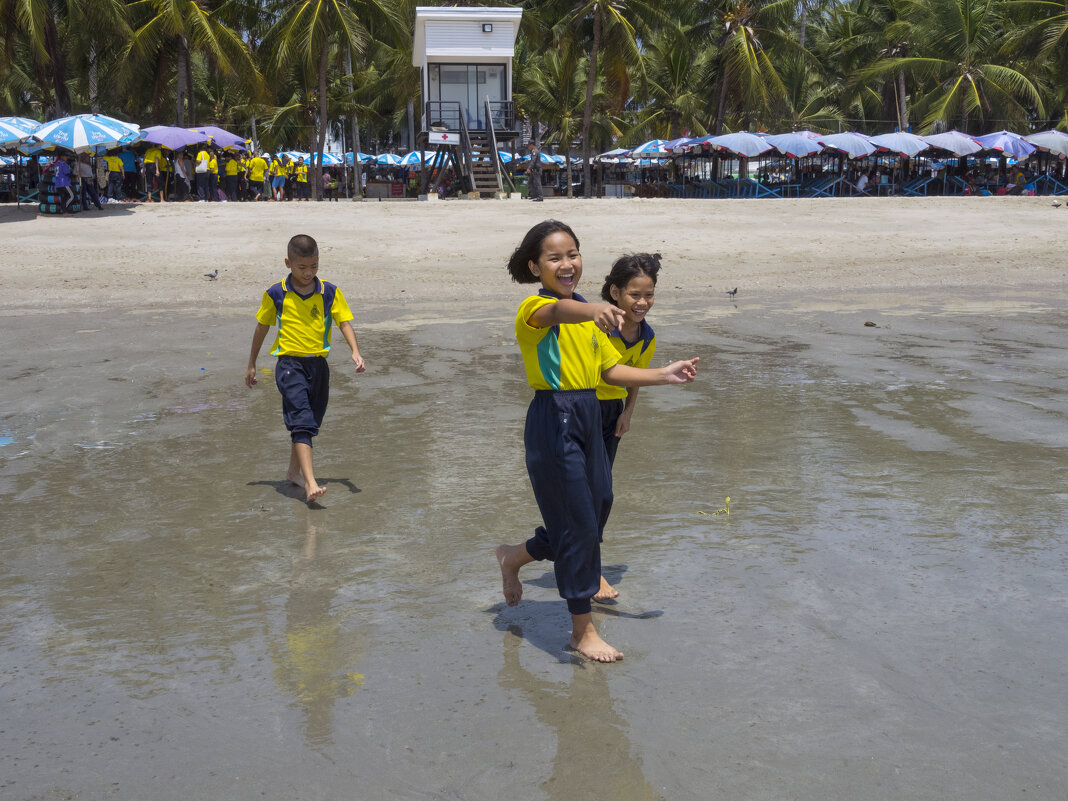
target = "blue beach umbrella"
x: 854, y: 145
x: 14, y: 129
x: 86, y: 133
x: 387, y: 160
x: 332, y: 159
x: 955, y: 142
x: 1006, y: 142
x: 362, y: 157
x: 654, y: 147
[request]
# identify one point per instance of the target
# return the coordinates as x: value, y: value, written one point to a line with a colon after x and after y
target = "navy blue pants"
x: 573, y: 486
x: 304, y: 382
x: 610, y: 412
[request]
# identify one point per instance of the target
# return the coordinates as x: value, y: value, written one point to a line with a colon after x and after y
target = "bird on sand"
x: 732, y: 292
x: 212, y: 275
x: 1056, y: 203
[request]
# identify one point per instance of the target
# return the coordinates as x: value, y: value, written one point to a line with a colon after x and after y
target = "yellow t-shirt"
x: 232, y: 166
x: 304, y: 324
x: 114, y: 163
x: 213, y: 165
x: 636, y: 354
x: 152, y: 156
x: 256, y: 168
x: 565, y: 356
x: 301, y: 171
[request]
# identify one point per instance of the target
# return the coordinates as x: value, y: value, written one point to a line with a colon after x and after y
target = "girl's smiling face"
x: 559, y: 267
x: 635, y: 299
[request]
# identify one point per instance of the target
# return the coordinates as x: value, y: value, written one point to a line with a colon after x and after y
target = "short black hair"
x: 301, y: 247
x: 627, y: 268
x: 530, y: 249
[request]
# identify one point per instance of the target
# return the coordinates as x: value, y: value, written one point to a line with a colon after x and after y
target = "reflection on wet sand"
x: 594, y: 757
x: 314, y: 660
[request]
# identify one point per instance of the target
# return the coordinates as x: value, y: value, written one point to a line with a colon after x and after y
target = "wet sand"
x: 881, y: 616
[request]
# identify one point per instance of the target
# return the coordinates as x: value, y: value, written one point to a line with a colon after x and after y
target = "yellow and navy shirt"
x: 635, y: 354
x: 304, y: 323
x: 301, y: 171
x: 566, y: 356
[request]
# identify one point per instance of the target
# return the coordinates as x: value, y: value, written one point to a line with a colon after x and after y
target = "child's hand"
x: 682, y: 372
x: 606, y: 316
x: 359, y: 363
x: 250, y: 377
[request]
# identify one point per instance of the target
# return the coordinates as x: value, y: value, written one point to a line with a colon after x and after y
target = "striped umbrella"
x: 14, y: 129
x: 1053, y: 141
x: 854, y: 145
x: 86, y: 133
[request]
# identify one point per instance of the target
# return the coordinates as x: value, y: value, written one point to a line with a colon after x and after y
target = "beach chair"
x: 827, y: 188
x: 955, y: 186
x: 917, y: 187
x: 757, y: 189
x: 1052, y: 185
x: 854, y: 189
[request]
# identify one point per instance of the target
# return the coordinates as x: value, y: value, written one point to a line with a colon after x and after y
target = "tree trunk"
x: 357, y: 168
x: 321, y: 146
x: 587, y: 113
x: 902, y: 103
x: 721, y: 105
x: 59, y: 74
x: 94, y: 101
x: 181, y: 87
x: 803, y: 28
x: 189, y: 98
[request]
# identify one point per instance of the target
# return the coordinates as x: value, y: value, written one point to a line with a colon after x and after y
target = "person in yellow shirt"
x: 300, y: 174
x: 150, y: 169
x: 163, y: 164
x: 231, y: 167
x: 213, y: 176
x: 203, y: 173
x: 114, y: 177
x: 278, y: 179
x: 254, y: 173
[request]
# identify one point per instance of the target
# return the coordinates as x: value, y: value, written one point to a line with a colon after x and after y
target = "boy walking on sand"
x: 304, y: 309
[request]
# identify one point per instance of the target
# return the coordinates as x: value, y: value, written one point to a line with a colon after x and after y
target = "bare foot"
x: 513, y: 588
x: 607, y: 592
x: 590, y: 645
x: 295, y: 477
x: 314, y: 491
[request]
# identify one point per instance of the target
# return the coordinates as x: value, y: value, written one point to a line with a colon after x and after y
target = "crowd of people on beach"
x: 203, y: 175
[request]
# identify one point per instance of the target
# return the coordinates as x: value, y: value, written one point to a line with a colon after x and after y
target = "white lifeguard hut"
x: 465, y: 59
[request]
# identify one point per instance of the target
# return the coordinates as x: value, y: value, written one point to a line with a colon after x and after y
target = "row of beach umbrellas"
x: 853, y: 145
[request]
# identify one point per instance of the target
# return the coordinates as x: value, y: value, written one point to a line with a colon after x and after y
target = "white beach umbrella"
x: 955, y: 142
x: 901, y: 142
x: 741, y: 143
x: 854, y: 145
x: 86, y: 133
x: 1055, y: 142
x: 794, y: 145
x: 15, y: 129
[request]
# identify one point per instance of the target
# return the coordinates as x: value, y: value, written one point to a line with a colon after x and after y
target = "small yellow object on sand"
x: 726, y: 510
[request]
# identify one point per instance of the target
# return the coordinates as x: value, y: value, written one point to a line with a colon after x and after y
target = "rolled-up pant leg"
x: 305, y: 387
x: 569, y: 472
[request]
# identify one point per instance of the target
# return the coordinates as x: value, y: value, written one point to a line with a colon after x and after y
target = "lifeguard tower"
x: 465, y: 57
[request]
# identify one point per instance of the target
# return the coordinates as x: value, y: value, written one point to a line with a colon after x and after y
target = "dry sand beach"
x: 881, y: 616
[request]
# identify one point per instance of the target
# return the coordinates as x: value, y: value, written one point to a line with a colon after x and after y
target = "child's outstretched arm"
x: 350, y: 337
x: 258, y: 336
x: 568, y: 310
x: 623, y: 375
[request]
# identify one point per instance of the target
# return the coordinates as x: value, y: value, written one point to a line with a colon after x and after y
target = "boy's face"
x: 303, y: 270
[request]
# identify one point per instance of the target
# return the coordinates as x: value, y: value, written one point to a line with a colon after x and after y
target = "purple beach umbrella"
x: 172, y: 137
x: 1008, y: 143
x: 221, y: 138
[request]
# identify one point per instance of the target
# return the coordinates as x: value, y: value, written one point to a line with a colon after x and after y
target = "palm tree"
x: 679, y: 75
x: 179, y: 29
x: 963, y: 72
x: 614, y: 29
x: 38, y: 23
x: 304, y: 33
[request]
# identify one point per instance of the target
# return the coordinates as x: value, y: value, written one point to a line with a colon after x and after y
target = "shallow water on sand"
x: 881, y: 615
